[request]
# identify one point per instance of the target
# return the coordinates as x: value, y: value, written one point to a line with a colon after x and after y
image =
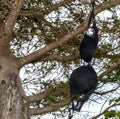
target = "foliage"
x: 42, y: 22
x: 112, y: 113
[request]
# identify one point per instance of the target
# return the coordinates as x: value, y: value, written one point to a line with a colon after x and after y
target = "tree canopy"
x: 44, y: 36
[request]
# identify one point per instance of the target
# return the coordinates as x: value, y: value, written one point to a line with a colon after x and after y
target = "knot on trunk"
x: 12, y: 79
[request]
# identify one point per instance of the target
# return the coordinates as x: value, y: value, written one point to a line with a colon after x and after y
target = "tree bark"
x: 11, y: 101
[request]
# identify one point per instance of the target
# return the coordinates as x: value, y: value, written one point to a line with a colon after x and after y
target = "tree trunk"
x: 11, y: 102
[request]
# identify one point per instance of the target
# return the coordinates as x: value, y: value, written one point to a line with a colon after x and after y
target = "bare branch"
x: 109, y: 91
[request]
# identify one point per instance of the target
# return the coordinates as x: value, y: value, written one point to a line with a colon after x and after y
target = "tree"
x: 45, y: 34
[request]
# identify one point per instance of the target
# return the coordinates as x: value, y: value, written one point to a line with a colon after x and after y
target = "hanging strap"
x: 92, y: 15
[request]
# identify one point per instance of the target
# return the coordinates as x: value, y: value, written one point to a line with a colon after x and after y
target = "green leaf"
x: 110, y: 114
x: 114, y: 100
x: 52, y: 98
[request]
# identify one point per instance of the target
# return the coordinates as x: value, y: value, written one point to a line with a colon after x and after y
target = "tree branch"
x: 74, y: 57
x: 45, y: 12
x: 109, y: 70
x: 38, y: 97
x: 104, y: 111
x: 51, y: 108
x: 38, y: 54
x: 106, y: 92
x: 11, y: 20
x: 61, y: 58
